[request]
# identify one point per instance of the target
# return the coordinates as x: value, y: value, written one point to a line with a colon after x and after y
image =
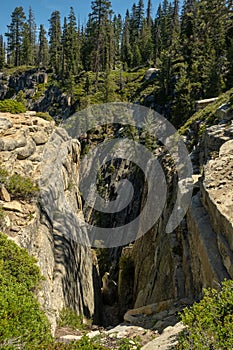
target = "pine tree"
x: 140, y: 14
x: 126, y: 50
x: 145, y: 42
x: 148, y: 14
x: 70, y: 46
x: 15, y: 36
x: 29, y: 40
x: 32, y: 37
x: 137, y: 58
x: 136, y: 20
x: 26, y: 47
x: 184, y: 97
x: 117, y: 33
x: 64, y: 49
x: 98, y: 35
x: 215, y: 15
x: 55, y: 51
x: 133, y: 24
x: 42, y: 58
x: 203, y: 33
x: 2, y: 52
x: 157, y: 34
x: 175, y: 20
x: 73, y: 44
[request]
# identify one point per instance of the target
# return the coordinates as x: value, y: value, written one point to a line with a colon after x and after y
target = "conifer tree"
x: 2, y: 52
x: 42, y: 58
x: 137, y: 58
x: 133, y: 24
x: 98, y: 35
x: 126, y: 50
x: 31, y: 24
x: 140, y: 14
x: 148, y: 14
x: 70, y: 45
x: 29, y: 40
x: 145, y: 42
x: 117, y: 33
x: 55, y: 52
x: 15, y: 36
x: 157, y: 34
x: 26, y: 47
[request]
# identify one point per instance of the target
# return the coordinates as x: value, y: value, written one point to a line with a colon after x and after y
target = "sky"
x: 42, y: 9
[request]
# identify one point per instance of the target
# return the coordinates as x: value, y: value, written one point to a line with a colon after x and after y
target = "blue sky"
x: 42, y: 9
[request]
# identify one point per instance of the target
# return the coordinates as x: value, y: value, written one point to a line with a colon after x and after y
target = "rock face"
x: 34, y: 148
x: 210, y: 222
x: 199, y: 253
x: 40, y: 95
x: 162, y: 260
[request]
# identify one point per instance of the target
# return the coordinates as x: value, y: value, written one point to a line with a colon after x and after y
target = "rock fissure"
x: 147, y: 282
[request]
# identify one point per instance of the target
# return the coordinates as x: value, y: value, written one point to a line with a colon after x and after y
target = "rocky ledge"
x: 210, y: 221
x: 36, y: 149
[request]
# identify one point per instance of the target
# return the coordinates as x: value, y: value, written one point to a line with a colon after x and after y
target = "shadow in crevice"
x: 73, y: 264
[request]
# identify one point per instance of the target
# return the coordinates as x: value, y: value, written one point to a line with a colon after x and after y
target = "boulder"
x: 5, y: 123
x: 13, y: 206
x: 40, y: 138
x: 151, y: 73
x: 27, y: 150
x: 167, y: 340
x: 224, y: 112
x: 9, y: 143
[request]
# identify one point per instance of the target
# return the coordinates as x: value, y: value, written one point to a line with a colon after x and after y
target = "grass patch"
x: 70, y: 318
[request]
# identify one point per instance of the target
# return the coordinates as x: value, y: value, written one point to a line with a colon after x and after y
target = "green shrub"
x: 84, y: 343
x: 22, y: 322
x: 1, y: 215
x: 23, y: 325
x: 3, y: 175
x: 21, y: 97
x: 126, y: 264
x: 11, y: 106
x: 69, y: 317
x: 45, y: 116
x: 129, y: 344
x: 209, y: 322
x: 18, y: 186
x: 40, y: 91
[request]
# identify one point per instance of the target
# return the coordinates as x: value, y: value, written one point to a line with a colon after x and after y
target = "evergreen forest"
x: 189, y: 43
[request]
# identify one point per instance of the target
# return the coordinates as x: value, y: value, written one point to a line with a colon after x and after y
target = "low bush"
x: 69, y: 317
x: 18, y: 185
x: 210, y: 321
x: 11, y: 106
x: 45, y: 116
x: 22, y: 322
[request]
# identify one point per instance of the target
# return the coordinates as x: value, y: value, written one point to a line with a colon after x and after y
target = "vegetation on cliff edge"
x: 210, y: 321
